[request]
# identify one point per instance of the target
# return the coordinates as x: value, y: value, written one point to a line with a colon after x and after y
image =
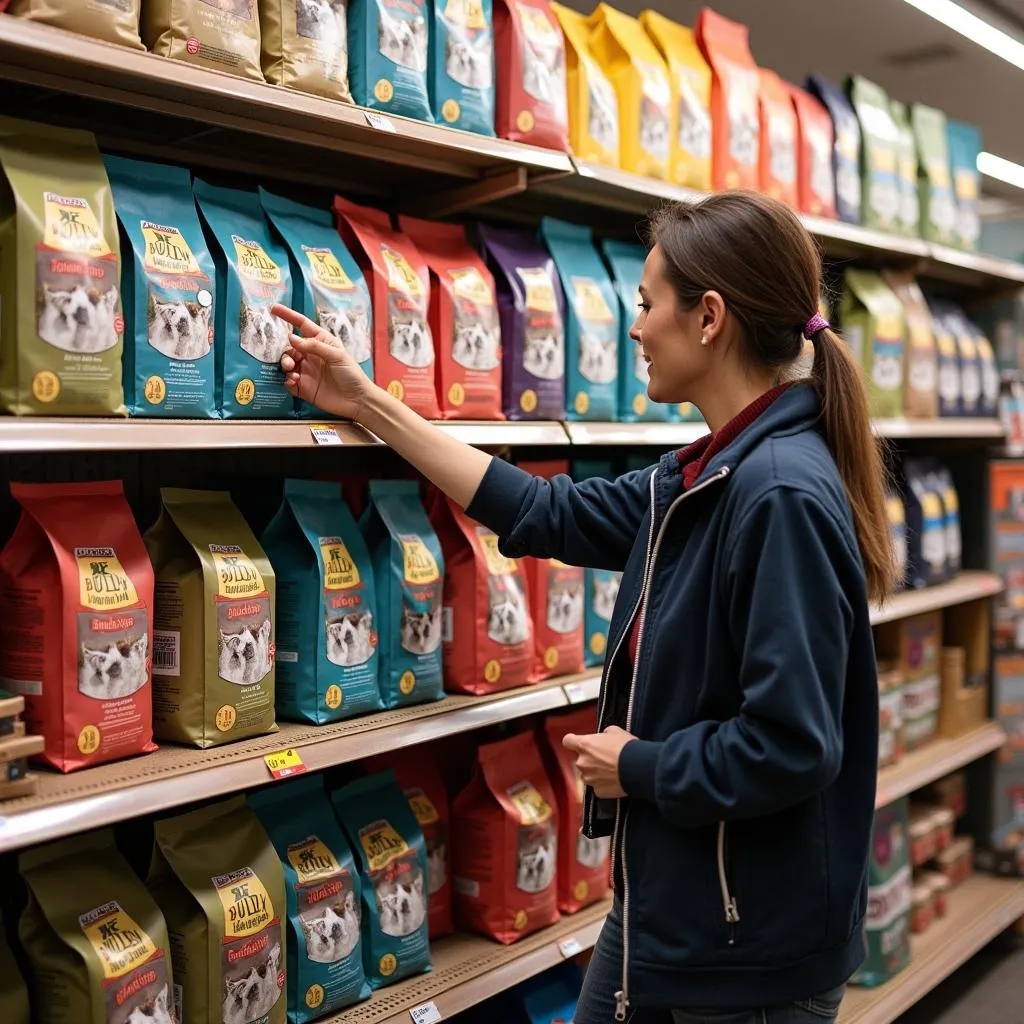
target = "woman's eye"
x: 645, y: 306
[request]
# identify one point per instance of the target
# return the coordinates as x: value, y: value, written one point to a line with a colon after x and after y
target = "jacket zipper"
x: 622, y: 996
x: 732, y: 912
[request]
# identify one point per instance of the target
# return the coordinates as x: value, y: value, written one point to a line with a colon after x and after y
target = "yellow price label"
x: 283, y: 763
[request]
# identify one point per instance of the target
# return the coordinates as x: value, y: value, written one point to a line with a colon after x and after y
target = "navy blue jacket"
x: 741, y: 849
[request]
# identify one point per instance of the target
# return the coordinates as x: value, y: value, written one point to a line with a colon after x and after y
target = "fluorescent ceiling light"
x: 1004, y: 170
x: 959, y: 19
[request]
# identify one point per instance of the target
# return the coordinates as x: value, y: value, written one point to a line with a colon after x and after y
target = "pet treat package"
x: 816, y: 189
x: 13, y: 990
x: 591, y: 322
x: 391, y: 856
x: 322, y: 898
x: 690, y: 84
x: 76, y: 601
x: 940, y: 480
x: 252, y: 274
x: 778, y: 161
x: 920, y: 361
x: 327, y: 284
x: 938, y: 205
x: 880, y: 208
x: 926, y: 526
x: 61, y: 326
x: 388, y: 47
x: 408, y: 570
x: 462, y: 65
x: 113, y: 22
x: 530, y: 101
x: 326, y: 607
x: 602, y: 588
x: 964, y: 146
x: 897, y: 516
x: 505, y: 843
x: 95, y: 941
x: 486, y: 620
x: 593, y: 105
x: 213, y: 661
x: 399, y: 281
x: 949, y: 363
x: 167, y: 288
x: 223, y: 35
x: 463, y: 319
x: 219, y: 882
x: 305, y: 46
x: 735, y: 110
x: 638, y: 72
x: 874, y: 326
x: 909, y: 218
x: 845, y: 149
x: 530, y: 309
x: 583, y: 868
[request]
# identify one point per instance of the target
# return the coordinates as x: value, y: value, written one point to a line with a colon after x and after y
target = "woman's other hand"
x: 597, y: 757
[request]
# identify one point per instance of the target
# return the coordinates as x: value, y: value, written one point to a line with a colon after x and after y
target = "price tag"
x: 284, y: 763
x: 570, y: 947
x: 428, y: 1013
x: 323, y: 434
x: 382, y: 124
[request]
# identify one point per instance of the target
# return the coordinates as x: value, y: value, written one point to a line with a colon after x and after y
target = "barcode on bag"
x: 447, y: 625
x: 166, y: 652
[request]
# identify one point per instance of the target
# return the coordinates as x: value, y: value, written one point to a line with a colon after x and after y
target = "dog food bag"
x: 305, y: 46
x: 964, y: 146
x: 593, y: 105
x: 328, y: 285
x: 897, y: 516
x: 61, y: 326
x: 13, y: 990
x: 816, y: 188
x: 505, y: 843
x: 408, y: 569
x: 95, y: 941
x: 938, y: 204
x: 846, y: 147
x: 391, y: 856
x: 531, y: 314
x: 990, y: 382
x: 779, y: 140
x: 926, y: 526
x: 583, y: 864
x: 116, y: 22
x: 326, y: 607
x: 949, y: 362
x: 214, y: 644
x: 399, y: 281
x: 970, y: 367
x: 909, y: 218
x: 879, y: 155
x: 219, y: 882
x: 920, y: 360
x: 76, y: 598
x: 602, y: 589
x: 462, y: 65
x: 874, y: 326
x: 463, y: 320
x: 322, y: 897
x: 735, y: 91
x: 223, y: 35
x: 690, y: 83
x: 940, y: 480
x: 487, y: 628
x: 591, y: 322
x: 388, y: 48
x: 167, y: 287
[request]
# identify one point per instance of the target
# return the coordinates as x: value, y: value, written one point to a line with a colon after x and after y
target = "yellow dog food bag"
x: 636, y: 69
x: 690, y: 81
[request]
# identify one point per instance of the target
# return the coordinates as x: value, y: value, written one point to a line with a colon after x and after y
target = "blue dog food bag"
x: 252, y: 274
x: 327, y: 284
x: 462, y: 64
x: 846, y: 147
x: 388, y: 50
x: 592, y: 322
x: 167, y: 291
x: 324, y: 896
x: 326, y: 607
x: 391, y: 855
x: 408, y: 570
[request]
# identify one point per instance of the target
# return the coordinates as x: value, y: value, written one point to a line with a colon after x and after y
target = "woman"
x: 735, y: 760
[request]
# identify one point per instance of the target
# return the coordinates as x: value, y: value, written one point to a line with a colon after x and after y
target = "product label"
x: 312, y: 861
x: 466, y: 12
x: 103, y: 583
x: 422, y: 806
x: 540, y: 293
x: 401, y: 276
x: 120, y: 944
x: 70, y: 225
x: 326, y: 270
x: 167, y: 252
x: 420, y: 565
x: 340, y: 569
x: 237, y: 576
x: 497, y: 563
x: 253, y: 262
x: 468, y: 283
x: 247, y: 905
x: 382, y: 844
x: 532, y: 807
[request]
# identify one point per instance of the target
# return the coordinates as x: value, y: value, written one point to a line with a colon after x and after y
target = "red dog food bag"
x: 463, y: 320
x: 531, y: 103
x: 487, y: 632
x: 735, y: 103
x: 778, y: 162
x: 583, y: 864
x: 505, y: 843
x: 76, y: 605
x: 403, y: 346
x: 816, y: 188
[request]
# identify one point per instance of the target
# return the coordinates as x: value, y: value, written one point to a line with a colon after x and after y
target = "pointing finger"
x: 297, y: 320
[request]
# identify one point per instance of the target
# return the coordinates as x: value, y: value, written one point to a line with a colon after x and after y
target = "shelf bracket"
x: 487, y: 189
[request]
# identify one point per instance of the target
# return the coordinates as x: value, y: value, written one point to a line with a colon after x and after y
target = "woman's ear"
x: 712, y: 316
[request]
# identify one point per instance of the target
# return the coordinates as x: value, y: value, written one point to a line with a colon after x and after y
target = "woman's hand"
x: 597, y: 757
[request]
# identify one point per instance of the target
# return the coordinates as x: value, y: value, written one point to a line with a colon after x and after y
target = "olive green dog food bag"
x: 219, y: 882
x: 113, y: 21
x: 305, y: 46
x: 13, y: 990
x: 214, y: 640
x: 874, y: 327
x: 95, y: 940
x: 61, y: 328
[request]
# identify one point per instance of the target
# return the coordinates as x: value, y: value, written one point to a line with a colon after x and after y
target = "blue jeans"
x: 604, y: 979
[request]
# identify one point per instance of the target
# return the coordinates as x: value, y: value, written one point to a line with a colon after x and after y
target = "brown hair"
x: 757, y: 255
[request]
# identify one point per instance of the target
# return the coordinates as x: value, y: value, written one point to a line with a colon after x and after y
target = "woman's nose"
x: 634, y: 331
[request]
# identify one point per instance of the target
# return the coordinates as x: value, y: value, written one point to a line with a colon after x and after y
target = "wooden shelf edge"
x: 971, y: 585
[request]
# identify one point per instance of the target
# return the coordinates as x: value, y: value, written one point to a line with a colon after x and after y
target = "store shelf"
x: 173, y: 776
x: 947, y: 427
x: 967, y: 586
x: 483, y: 434
x: 979, y: 910
x: 665, y: 435
x: 841, y: 239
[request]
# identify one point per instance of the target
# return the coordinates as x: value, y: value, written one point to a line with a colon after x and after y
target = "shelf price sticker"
x: 382, y: 124
x: 570, y: 947
x: 284, y: 763
x: 576, y: 693
x: 428, y: 1013
x: 324, y: 434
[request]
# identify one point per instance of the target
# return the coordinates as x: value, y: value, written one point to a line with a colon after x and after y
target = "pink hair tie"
x: 814, y: 325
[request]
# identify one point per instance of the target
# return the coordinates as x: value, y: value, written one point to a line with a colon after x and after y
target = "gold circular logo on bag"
x: 582, y: 402
x: 225, y: 718
x: 89, y: 740
x: 525, y: 121
x: 407, y: 683
x: 551, y: 657
x: 639, y: 405
x: 245, y: 391
x: 333, y: 700
x: 450, y: 111
x: 314, y: 996
x: 597, y: 643
x: 155, y: 390
x: 45, y: 386
x: 581, y: 891
x: 492, y: 670
x: 528, y: 400
x: 384, y: 90
x: 520, y: 920
x: 456, y: 394
x: 395, y: 389
x: 388, y: 965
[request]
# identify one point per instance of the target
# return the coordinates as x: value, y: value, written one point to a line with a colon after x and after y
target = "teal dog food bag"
x: 391, y: 855
x: 964, y: 146
x: 938, y: 206
x: 167, y: 290
x: 462, y: 64
x: 327, y: 609
x: 408, y: 570
x: 327, y: 284
x: 324, y: 897
x: 252, y: 274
